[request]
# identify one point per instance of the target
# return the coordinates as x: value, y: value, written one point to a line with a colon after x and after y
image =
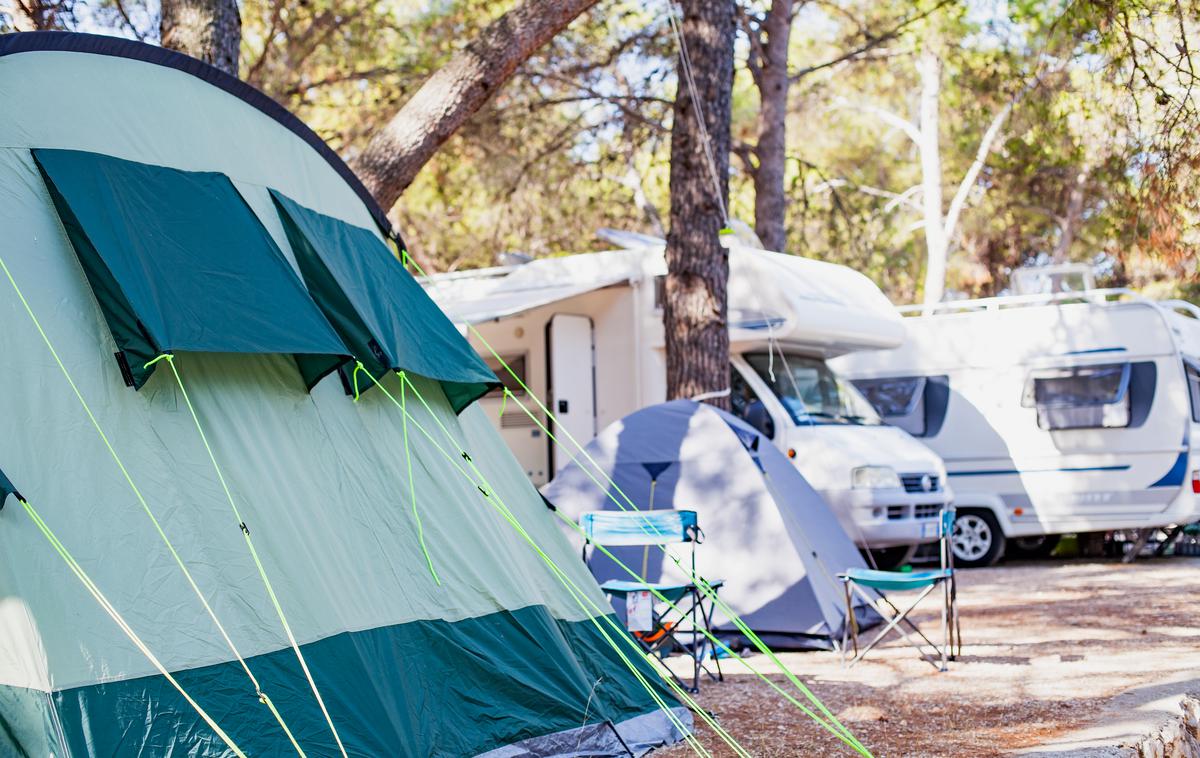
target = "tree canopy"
x: 1096, y: 159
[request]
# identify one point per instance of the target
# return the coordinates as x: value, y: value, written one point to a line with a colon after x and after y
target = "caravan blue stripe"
x: 1002, y: 472
x: 1176, y: 475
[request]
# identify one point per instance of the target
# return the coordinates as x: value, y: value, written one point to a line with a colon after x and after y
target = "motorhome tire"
x: 889, y: 558
x: 1037, y: 546
x: 977, y: 540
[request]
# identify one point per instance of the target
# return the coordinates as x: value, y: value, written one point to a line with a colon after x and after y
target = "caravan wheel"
x: 976, y: 539
x: 1037, y: 547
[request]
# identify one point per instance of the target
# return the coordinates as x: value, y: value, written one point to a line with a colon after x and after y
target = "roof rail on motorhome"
x: 1182, y: 305
x: 1019, y: 301
x: 493, y: 272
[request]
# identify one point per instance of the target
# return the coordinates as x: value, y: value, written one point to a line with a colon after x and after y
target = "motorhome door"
x: 572, y: 375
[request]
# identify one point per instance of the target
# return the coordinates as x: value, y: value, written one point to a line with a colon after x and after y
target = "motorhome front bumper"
x: 887, y: 518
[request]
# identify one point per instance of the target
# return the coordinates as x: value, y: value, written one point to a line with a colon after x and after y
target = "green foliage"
x: 1098, y: 161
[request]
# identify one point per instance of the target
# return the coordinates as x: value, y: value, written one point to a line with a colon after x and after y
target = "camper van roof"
x: 786, y: 297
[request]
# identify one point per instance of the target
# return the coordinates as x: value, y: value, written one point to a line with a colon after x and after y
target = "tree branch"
x: 909, y: 128
x: 964, y: 187
x: 871, y: 43
x: 457, y: 91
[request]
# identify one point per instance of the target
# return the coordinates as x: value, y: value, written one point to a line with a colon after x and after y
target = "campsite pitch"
x: 1060, y: 658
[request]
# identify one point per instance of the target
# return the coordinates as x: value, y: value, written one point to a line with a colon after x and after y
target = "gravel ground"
x: 1047, y: 647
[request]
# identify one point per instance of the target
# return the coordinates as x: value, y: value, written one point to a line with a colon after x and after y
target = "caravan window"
x: 1192, y: 371
x: 1080, y: 397
x: 893, y: 396
x: 900, y: 400
x: 517, y: 364
x: 810, y: 391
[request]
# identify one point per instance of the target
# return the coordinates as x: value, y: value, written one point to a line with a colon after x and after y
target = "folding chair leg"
x: 907, y: 622
x: 945, y: 622
x: 894, y: 623
x: 846, y: 620
x: 708, y: 616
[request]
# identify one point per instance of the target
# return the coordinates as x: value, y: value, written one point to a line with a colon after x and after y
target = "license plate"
x: 929, y: 529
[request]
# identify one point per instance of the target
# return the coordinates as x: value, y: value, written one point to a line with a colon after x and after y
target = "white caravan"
x: 585, y: 332
x: 1065, y: 411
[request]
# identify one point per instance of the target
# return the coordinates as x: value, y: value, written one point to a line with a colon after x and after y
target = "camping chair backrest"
x: 640, y: 527
x: 945, y: 531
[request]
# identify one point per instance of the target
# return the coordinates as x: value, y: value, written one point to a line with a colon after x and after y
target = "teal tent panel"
x: 6, y: 489
x: 380, y: 311
x: 436, y: 688
x: 27, y: 723
x: 179, y: 262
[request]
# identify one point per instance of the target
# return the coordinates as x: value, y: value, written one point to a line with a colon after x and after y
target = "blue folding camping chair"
x: 688, y: 614
x: 858, y: 581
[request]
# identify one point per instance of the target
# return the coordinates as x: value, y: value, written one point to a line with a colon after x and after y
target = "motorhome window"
x: 660, y: 292
x: 1192, y: 369
x: 517, y: 364
x: 747, y: 406
x: 1080, y: 397
x: 893, y: 396
x: 899, y: 399
x: 810, y: 391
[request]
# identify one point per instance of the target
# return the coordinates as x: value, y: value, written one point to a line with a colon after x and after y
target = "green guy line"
x: 132, y: 485
x: 262, y: 571
x: 117, y: 618
x: 573, y: 589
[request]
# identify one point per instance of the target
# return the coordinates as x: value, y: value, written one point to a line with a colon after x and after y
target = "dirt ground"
x: 1047, y: 646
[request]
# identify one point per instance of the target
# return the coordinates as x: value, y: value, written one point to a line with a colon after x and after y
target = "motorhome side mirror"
x: 758, y: 417
x: 563, y: 406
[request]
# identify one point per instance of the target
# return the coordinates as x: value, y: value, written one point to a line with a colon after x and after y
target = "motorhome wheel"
x: 976, y: 540
x: 1037, y: 546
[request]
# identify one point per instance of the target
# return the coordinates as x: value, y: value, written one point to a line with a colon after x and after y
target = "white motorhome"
x: 1062, y: 410
x: 586, y: 333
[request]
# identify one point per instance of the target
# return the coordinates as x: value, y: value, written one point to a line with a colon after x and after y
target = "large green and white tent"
x: 367, y: 551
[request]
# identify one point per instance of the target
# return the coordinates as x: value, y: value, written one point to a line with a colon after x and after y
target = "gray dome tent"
x: 153, y: 206
x: 768, y: 533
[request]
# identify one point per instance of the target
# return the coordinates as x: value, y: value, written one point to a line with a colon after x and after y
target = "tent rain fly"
x: 178, y: 261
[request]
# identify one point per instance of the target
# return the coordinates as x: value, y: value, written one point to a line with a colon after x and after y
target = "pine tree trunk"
x: 770, y: 200
x: 456, y: 91
x: 209, y: 30
x: 696, y: 307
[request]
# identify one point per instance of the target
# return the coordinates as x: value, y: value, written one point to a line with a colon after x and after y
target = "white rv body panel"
x: 778, y: 304
x: 1006, y: 452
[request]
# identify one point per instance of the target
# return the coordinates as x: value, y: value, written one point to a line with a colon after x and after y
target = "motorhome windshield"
x: 811, y: 392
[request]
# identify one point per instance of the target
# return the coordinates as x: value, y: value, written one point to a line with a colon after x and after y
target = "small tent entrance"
x: 571, y: 373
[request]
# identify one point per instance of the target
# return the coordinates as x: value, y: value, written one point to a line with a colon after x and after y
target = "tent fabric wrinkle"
x: 169, y: 276
x: 380, y: 311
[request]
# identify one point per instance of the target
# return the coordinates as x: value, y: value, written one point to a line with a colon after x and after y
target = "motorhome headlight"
x: 875, y: 478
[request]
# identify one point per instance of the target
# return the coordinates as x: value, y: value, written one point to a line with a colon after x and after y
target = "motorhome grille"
x: 897, y: 512
x: 926, y: 510
x: 915, y: 483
